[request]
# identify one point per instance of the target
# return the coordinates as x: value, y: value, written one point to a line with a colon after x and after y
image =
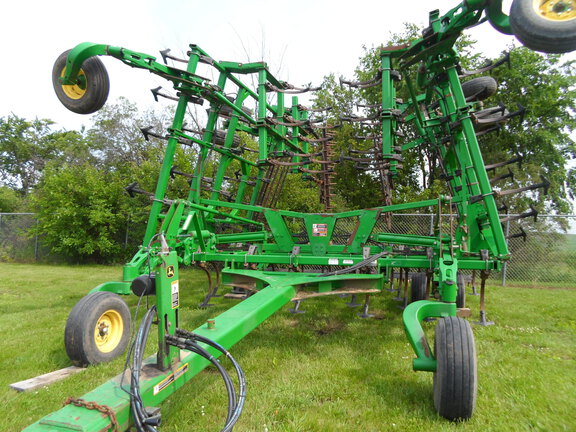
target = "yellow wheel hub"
x: 108, y: 331
x: 75, y: 91
x: 555, y: 10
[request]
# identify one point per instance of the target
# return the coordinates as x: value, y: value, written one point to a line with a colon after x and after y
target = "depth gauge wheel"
x: 480, y: 88
x: 545, y: 25
x: 461, y: 293
x: 455, y: 379
x: 89, y: 94
x: 418, y: 287
x: 98, y: 329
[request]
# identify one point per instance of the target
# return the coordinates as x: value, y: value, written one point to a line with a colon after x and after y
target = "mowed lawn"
x: 325, y: 370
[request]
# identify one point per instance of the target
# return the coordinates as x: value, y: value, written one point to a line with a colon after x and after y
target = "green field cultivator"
x: 227, y: 223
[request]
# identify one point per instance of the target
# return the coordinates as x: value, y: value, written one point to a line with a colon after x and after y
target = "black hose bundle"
x: 143, y: 421
x: 189, y: 341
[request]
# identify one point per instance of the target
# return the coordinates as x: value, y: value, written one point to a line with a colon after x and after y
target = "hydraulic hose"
x: 190, y: 341
x: 142, y: 420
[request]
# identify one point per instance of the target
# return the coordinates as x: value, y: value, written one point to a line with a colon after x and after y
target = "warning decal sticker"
x: 175, y: 294
x: 170, y: 379
x: 319, y: 230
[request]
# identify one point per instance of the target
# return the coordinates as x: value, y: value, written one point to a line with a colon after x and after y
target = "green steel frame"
x: 196, y: 228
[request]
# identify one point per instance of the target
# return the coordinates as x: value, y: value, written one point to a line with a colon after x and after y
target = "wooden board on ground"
x: 46, y: 379
x: 464, y: 312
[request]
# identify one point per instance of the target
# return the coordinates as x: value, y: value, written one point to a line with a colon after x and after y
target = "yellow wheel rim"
x: 75, y: 91
x: 555, y: 10
x: 108, y: 330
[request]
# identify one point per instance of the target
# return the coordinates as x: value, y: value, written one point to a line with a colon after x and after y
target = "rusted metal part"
x: 104, y: 409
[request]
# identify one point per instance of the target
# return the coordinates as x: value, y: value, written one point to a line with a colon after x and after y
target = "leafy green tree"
x: 545, y: 86
x: 10, y: 201
x: 81, y: 212
x: 27, y: 146
x: 83, y: 209
x: 299, y: 195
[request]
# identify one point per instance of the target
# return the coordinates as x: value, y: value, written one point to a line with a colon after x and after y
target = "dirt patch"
x: 291, y: 322
x: 329, y: 327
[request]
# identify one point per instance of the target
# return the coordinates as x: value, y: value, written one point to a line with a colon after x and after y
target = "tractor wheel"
x: 91, y: 91
x: 455, y: 379
x: 461, y: 294
x: 98, y: 329
x: 418, y: 287
x: 480, y: 88
x: 546, y: 26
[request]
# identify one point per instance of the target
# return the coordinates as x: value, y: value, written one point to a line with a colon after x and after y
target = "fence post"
x: 36, y: 242
x: 505, y: 267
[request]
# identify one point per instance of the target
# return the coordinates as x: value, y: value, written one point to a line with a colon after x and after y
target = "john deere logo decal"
x: 170, y: 271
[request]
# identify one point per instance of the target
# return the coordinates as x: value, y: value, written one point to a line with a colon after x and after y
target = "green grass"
x: 326, y: 370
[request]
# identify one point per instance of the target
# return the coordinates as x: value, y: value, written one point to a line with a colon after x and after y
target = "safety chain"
x: 105, y: 409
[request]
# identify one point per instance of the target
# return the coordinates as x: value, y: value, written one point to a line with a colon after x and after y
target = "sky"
x: 302, y: 41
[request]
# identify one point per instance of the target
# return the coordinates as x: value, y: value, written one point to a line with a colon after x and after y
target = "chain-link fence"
x: 543, y: 251
x: 16, y: 241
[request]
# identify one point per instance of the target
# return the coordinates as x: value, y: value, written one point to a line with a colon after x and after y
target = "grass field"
x: 326, y: 370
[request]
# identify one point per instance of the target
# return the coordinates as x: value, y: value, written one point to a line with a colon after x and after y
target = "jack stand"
x: 483, y: 321
x: 352, y: 302
x: 296, y: 308
x: 364, y: 313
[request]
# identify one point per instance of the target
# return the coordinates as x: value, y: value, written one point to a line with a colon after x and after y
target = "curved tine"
x: 210, y: 288
x: 217, y: 272
x: 290, y: 89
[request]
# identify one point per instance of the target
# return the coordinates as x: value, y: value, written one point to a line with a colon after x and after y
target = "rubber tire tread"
x: 96, y: 92
x: 79, y: 333
x: 482, y: 87
x: 455, y: 379
x: 540, y: 34
x: 461, y: 292
x: 418, y: 287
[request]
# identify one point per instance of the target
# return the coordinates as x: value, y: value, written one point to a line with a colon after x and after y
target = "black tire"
x: 418, y: 287
x: 479, y: 89
x: 86, y: 97
x: 97, y: 329
x: 461, y: 293
x: 556, y: 34
x: 455, y: 379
